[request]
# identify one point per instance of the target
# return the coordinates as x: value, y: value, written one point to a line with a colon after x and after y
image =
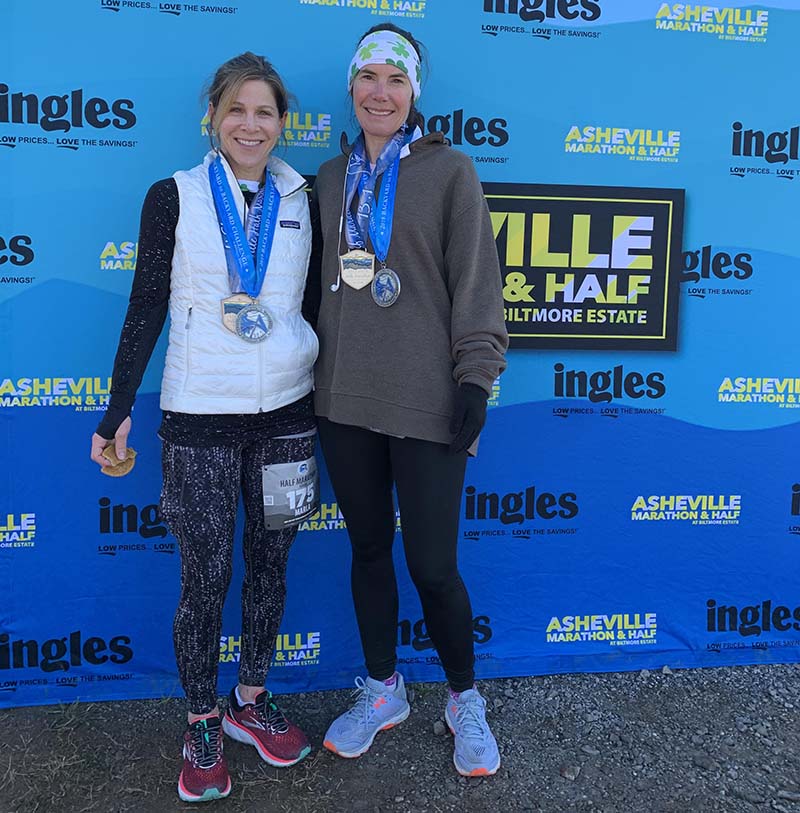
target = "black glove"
x: 469, y: 416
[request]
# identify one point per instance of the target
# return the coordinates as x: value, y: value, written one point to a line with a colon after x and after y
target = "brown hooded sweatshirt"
x: 396, y: 370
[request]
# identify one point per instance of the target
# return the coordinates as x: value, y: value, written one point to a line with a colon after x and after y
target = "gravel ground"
x: 695, y: 740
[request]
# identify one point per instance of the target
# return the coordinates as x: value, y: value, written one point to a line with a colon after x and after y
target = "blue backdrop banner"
x: 636, y: 500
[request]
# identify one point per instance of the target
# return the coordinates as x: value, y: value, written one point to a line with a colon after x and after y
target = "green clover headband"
x: 387, y: 48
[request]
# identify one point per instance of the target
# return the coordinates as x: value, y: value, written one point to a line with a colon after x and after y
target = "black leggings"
x: 363, y: 465
x: 199, y: 499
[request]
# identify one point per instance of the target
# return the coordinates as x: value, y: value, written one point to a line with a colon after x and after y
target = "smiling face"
x: 250, y: 129
x: 382, y: 100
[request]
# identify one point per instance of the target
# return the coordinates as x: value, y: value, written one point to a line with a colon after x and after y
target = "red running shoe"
x: 204, y: 775
x: 262, y: 724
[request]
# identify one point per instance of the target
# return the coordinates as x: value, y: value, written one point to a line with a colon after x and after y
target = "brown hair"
x: 231, y: 75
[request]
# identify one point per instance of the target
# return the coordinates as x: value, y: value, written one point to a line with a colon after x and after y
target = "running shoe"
x: 476, y: 751
x: 204, y: 775
x: 263, y: 725
x: 376, y: 707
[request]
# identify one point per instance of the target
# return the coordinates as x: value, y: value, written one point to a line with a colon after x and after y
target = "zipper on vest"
x: 261, y: 376
x: 188, y: 317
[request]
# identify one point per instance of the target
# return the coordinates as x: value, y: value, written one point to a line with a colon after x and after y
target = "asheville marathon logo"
x: 291, y: 649
x: 617, y: 629
x: 722, y: 22
x: 16, y: 251
x: 762, y: 147
x: 638, y: 144
x: 709, y: 272
x: 699, y: 509
x: 304, y: 129
x: 58, y: 116
x: 86, y: 394
x: 409, y: 9
x: 17, y: 531
x: 783, y: 392
x: 171, y: 8
x: 544, y: 16
x: 119, y: 256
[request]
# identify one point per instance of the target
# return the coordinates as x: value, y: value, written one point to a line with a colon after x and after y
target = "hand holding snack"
x: 119, y: 447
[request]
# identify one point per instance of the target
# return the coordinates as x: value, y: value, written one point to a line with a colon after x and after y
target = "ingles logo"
x: 538, y: 11
x: 518, y: 506
x: 603, y: 386
x: 119, y: 257
x: 18, y: 251
x: 415, y: 634
x: 171, y: 8
x: 130, y: 519
x: 638, y: 144
x: 719, y: 268
x: 754, y: 619
x: 307, y: 130
x: 59, y: 654
x: 85, y: 393
x: 785, y: 392
x: 18, y: 531
x: 777, y: 147
x: 724, y: 22
x: 618, y: 629
x: 699, y: 509
x: 61, y: 114
x: 471, y: 130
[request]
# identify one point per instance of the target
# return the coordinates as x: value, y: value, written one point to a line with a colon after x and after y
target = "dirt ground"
x: 697, y: 740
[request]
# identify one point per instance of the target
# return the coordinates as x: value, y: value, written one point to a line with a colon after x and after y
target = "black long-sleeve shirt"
x: 144, y: 321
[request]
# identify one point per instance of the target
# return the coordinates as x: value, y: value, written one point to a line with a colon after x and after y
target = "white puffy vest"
x: 209, y: 369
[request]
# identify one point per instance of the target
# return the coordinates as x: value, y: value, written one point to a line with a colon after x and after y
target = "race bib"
x: 291, y: 493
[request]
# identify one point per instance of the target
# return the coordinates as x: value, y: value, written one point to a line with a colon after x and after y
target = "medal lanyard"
x: 369, y: 218
x: 238, y: 245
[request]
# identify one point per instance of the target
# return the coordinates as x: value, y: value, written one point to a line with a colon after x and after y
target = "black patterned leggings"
x: 199, y: 498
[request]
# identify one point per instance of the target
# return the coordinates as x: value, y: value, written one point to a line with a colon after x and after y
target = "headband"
x: 387, y: 48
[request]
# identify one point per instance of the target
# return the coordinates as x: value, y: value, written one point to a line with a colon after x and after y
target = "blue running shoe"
x: 376, y: 707
x: 476, y: 751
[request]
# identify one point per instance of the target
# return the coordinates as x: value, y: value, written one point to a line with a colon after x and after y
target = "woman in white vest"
x: 224, y: 248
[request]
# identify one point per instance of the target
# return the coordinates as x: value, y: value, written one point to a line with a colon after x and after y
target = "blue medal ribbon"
x: 240, y: 248
x: 369, y: 218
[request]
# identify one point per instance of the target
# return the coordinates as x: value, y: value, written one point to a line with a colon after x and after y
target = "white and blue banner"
x: 636, y: 500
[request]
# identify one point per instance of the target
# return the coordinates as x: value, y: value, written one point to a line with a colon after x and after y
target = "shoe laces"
x: 471, y: 717
x: 364, y: 704
x: 272, y: 717
x: 205, y: 744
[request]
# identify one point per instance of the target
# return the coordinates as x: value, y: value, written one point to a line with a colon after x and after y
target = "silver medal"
x: 253, y: 323
x: 385, y: 288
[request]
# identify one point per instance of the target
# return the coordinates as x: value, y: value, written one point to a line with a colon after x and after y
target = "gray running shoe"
x: 476, y: 751
x: 376, y: 708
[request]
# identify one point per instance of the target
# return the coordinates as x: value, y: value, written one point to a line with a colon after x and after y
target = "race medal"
x: 385, y: 288
x: 253, y: 323
x: 231, y: 308
x: 247, y: 253
x: 357, y: 268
